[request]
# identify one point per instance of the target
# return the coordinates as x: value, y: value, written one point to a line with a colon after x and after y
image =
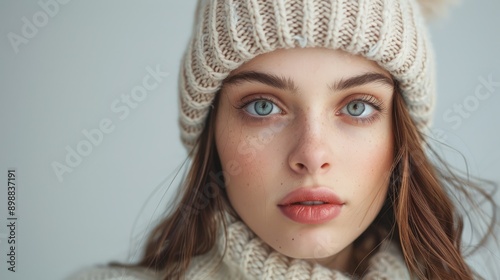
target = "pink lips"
x: 311, y: 205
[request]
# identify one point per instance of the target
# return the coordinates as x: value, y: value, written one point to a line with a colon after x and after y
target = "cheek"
x: 246, y: 151
x: 251, y: 160
x: 243, y: 158
x: 369, y: 169
x: 239, y: 154
x: 376, y: 159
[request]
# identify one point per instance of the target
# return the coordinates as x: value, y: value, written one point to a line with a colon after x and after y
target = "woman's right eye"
x: 262, y: 108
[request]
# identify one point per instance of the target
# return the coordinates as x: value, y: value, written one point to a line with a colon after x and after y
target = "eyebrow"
x: 360, y: 80
x: 287, y: 84
x: 264, y: 78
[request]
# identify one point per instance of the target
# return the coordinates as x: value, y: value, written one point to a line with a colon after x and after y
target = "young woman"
x: 305, y: 122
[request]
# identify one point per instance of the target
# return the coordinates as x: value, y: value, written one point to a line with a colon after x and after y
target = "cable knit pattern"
x: 248, y: 257
x: 229, y: 33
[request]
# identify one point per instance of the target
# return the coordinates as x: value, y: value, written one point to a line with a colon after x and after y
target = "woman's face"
x: 305, y: 141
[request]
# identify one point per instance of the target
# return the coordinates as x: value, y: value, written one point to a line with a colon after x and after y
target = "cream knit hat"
x: 228, y: 33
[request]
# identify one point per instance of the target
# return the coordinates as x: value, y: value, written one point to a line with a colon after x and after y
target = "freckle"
x: 293, y: 239
x: 280, y: 247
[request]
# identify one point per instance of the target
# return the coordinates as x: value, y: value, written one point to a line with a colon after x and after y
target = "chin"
x: 310, y: 246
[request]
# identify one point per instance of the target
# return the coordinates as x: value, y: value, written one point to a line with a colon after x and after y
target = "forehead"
x: 315, y: 62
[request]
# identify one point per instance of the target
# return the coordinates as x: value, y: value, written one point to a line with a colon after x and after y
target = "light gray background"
x: 89, y: 53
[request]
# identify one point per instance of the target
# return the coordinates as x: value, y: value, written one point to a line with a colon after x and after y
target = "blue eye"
x: 262, y: 108
x: 358, y: 108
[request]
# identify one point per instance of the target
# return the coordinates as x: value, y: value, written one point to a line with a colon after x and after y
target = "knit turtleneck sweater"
x: 249, y: 257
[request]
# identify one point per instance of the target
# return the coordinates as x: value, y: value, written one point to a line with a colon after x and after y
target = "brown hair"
x: 418, y: 211
x: 428, y: 223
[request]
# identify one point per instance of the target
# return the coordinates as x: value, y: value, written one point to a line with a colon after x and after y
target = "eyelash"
x: 243, y: 103
x: 367, y: 99
x: 370, y: 100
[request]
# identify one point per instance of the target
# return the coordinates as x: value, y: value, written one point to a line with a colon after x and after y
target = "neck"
x: 244, y: 255
x: 341, y: 261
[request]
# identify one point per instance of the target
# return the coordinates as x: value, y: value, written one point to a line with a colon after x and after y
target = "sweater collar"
x: 251, y: 256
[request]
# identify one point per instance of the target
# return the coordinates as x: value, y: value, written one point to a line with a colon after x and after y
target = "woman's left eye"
x: 358, y: 109
x: 262, y: 108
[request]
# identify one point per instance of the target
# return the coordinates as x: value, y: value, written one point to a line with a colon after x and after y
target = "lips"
x: 311, y: 205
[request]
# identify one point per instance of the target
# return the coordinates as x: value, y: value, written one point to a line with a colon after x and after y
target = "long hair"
x: 418, y: 213
x: 428, y: 222
x: 192, y: 228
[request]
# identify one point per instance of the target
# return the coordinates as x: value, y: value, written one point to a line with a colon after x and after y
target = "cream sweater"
x: 248, y: 257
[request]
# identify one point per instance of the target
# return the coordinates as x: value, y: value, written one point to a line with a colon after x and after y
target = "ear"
x: 432, y: 9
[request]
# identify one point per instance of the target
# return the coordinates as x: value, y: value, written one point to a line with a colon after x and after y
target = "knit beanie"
x: 228, y: 33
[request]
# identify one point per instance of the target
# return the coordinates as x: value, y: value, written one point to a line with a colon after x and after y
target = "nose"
x: 312, y: 153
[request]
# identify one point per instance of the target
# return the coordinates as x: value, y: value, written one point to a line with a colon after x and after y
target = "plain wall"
x: 70, y: 74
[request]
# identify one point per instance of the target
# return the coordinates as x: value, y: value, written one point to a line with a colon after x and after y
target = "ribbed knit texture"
x: 249, y: 257
x: 228, y: 33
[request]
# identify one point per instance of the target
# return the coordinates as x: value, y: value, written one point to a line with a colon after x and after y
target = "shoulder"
x: 113, y: 273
